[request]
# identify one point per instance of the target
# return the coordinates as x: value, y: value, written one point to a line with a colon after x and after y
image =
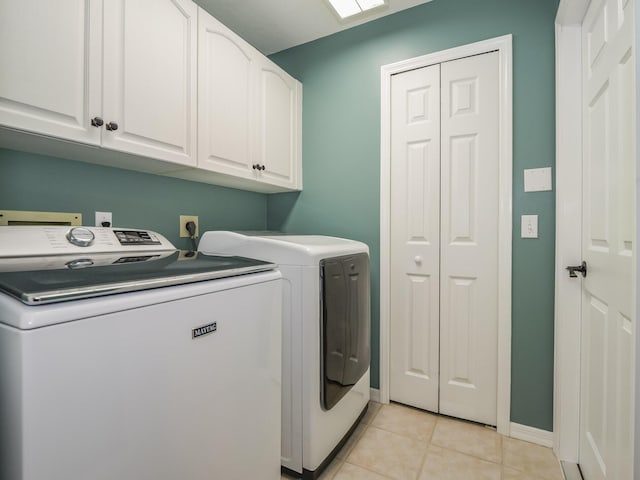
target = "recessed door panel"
x: 418, y: 335
x: 461, y: 305
x: 462, y: 188
x: 421, y: 163
x: 597, y: 171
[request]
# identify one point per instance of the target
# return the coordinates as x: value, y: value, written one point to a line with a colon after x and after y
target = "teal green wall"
x: 341, y: 156
x: 139, y: 200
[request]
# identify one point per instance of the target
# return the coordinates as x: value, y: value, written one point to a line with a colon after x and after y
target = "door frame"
x: 503, y: 45
x: 568, y: 294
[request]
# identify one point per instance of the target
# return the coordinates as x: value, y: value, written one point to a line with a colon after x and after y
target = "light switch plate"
x: 529, y: 227
x: 537, y: 179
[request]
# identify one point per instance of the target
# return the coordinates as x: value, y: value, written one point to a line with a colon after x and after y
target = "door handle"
x: 417, y: 259
x: 582, y: 268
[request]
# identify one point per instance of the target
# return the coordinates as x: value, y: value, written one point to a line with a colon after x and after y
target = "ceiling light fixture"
x: 349, y: 8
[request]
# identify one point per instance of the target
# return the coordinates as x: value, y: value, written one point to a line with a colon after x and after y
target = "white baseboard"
x: 531, y: 434
x: 374, y: 395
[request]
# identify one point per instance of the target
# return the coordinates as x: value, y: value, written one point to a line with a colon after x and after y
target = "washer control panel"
x: 136, y: 237
x: 18, y: 241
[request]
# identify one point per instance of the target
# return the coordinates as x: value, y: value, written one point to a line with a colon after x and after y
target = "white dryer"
x: 326, y: 338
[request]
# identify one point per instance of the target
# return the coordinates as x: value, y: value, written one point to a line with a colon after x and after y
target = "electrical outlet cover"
x: 183, y: 225
x: 103, y: 217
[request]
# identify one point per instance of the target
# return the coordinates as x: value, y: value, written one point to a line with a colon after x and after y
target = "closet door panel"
x: 415, y: 237
x: 469, y: 238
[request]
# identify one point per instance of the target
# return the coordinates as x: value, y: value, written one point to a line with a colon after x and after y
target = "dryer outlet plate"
x: 183, y: 225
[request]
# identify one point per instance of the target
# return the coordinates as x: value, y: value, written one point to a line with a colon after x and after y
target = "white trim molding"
x: 566, y: 399
x: 533, y: 435
x: 503, y: 45
x: 374, y: 395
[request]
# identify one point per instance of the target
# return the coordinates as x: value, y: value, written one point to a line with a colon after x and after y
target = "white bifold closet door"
x: 444, y: 238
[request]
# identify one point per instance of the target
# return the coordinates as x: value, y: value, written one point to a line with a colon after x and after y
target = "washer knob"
x: 80, y: 236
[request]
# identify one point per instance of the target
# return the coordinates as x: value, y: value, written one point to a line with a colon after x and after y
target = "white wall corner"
x: 531, y: 434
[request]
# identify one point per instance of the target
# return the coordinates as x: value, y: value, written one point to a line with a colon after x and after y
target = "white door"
x: 444, y: 240
x: 149, y: 99
x: 608, y: 243
x: 227, y: 73
x: 54, y: 84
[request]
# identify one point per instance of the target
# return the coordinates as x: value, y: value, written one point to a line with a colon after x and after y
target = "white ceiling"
x: 275, y: 25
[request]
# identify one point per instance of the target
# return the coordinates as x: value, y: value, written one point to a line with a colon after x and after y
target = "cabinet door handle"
x: 255, y: 166
x: 262, y: 167
x: 112, y: 126
x: 97, y: 122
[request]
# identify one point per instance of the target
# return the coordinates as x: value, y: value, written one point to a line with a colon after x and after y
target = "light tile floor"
x: 394, y: 442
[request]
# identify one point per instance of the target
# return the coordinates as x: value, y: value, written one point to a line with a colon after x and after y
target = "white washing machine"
x: 123, y: 358
x: 326, y: 338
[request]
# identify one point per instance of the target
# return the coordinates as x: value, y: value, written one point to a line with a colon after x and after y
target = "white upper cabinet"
x: 120, y: 74
x: 160, y: 85
x: 226, y: 99
x: 249, y: 114
x: 279, y: 122
x: 150, y: 68
x: 50, y: 60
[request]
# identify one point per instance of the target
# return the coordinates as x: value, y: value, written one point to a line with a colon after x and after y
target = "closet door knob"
x: 417, y: 259
x: 97, y: 122
x: 112, y: 126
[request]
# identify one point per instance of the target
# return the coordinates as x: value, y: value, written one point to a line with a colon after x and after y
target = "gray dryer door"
x: 345, y: 325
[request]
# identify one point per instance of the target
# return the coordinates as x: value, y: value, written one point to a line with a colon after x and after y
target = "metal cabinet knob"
x: 112, y: 126
x: 97, y: 121
x: 255, y: 166
x: 262, y: 167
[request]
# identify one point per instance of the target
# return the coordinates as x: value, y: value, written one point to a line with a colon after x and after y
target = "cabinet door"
x: 226, y: 99
x: 279, y: 132
x: 50, y: 59
x: 150, y: 78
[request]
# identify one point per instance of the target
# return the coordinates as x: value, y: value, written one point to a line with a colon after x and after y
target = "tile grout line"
x: 370, y: 470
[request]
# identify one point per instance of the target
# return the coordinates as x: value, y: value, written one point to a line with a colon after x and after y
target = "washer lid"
x: 41, y: 280
x: 281, y: 249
